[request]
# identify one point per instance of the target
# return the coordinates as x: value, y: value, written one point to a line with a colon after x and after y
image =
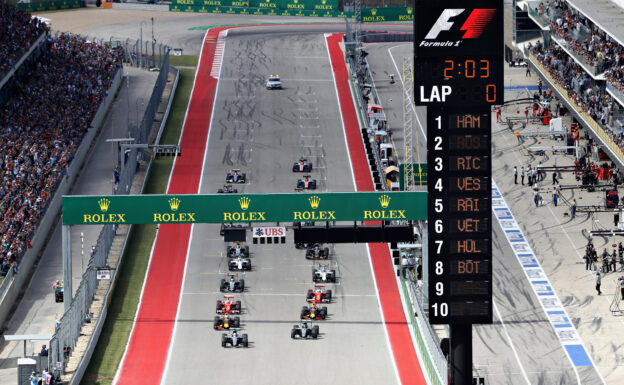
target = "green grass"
x: 184, y: 60
x: 125, y: 297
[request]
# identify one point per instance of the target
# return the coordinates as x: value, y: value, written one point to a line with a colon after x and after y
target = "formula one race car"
x: 313, y: 312
x: 227, y: 189
x: 323, y: 274
x: 302, y: 166
x: 306, y: 183
x: 233, y: 339
x: 226, y: 322
x: 303, y: 245
x: 232, y: 284
x: 228, y: 306
x: 319, y: 295
x: 315, y: 252
x: 235, y: 176
x: 304, y: 330
x: 239, y: 264
x: 237, y: 250
x: 228, y: 226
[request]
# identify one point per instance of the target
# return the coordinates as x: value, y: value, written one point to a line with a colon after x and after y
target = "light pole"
x: 136, y: 105
x: 141, y: 41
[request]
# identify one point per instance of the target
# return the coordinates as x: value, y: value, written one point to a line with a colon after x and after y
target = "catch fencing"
x: 434, y: 364
x: 68, y: 328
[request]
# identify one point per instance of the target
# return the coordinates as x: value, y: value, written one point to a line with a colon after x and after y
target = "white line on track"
x: 511, y: 344
x: 222, y: 36
x: 149, y: 263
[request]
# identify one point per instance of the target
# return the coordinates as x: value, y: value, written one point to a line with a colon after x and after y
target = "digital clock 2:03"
x: 473, y: 80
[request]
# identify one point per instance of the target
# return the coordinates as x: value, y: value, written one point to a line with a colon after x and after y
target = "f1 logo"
x: 474, y: 25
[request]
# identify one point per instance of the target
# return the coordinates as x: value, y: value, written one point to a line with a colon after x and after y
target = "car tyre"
x: 293, y: 333
x: 242, y: 285
x: 216, y: 322
x: 245, y: 340
x: 315, y: 332
x: 236, y: 322
x: 223, y: 340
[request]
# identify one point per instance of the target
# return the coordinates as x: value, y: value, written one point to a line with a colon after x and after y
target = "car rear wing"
x: 318, y: 285
x: 228, y: 296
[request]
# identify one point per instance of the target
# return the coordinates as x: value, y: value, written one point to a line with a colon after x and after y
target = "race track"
x: 263, y: 132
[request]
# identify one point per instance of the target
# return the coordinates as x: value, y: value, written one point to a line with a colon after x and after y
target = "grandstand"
x: 46, y: 110
x: 581, y: 55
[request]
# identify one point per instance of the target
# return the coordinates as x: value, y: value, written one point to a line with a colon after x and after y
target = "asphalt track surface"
x: 263, y: 132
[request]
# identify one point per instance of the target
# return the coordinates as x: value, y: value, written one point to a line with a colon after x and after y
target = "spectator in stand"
x: 18, y: 30
x: 41, y: 126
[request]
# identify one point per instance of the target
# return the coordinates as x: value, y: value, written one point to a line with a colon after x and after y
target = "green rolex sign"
x: 225, y: 208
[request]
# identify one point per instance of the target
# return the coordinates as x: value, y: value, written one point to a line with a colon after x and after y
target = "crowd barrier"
x: 42, y: 6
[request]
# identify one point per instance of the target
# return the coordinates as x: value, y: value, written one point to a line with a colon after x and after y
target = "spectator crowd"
x: 17, y: 32
x: 595, y: 101
x: 592, y: 45
x: 41, y: 127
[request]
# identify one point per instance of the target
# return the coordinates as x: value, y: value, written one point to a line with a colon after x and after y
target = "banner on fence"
x: 317, y: 5
x: 378, y: 15
x: 49, y: 5
x: 258, y: 11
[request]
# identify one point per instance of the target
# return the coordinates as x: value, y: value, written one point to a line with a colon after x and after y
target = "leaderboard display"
x: 458, y: 76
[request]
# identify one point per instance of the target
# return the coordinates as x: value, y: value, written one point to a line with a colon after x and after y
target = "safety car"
x: 315, y: 251
x: 234, y: 340
x: 228, y: 305
x: 235, y: 176
x: 232, y: 284
x: 313, y: 312
x: 304, y: 330
x: 306, y: 183
x: 225, y: 322
x: 323, y: 274
x: 319, y: 295
x: 302, y: 166
x: 239, y: 264
x: 273, y: 82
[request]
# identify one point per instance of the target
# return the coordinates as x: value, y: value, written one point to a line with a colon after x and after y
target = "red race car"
x: 228, y: 306
x: 319, y: 295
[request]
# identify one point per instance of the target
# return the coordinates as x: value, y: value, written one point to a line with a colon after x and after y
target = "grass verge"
x: 184, y: 60
x: 125, y: 297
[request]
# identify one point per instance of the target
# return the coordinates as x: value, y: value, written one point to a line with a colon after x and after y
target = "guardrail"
x: 435, y: 363
x: 606, y: 140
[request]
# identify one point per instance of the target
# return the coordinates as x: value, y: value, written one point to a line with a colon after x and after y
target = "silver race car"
x: 304, y: 330
x: 234, y: 340
x: 238, y: 250
x: 232, y: 284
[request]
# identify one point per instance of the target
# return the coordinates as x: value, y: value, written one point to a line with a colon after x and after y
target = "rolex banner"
x: 316, y: 5
x: 313, y: 8
x: 378, y: 15
x: 49, y: 5
x: 257, y: 11
x: 227, y: 208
